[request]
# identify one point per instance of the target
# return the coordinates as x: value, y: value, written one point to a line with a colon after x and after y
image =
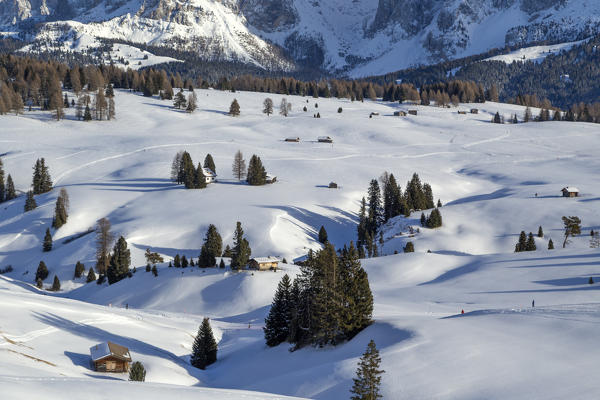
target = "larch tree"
x: 234, y: 109
x: 572, y: 226
x: 104, y: 240
x: 268, y: 106
x: 61, y: 209
x: 239, y: 166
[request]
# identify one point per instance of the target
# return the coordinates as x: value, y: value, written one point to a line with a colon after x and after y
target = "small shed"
x: 270, y: 178
x: 292, y: 139
x: 570, y: 191
x: 462, y: 112
x: 412, y: 112
x: 474, y: 111
x: 209, y: 175
x: 110, y: 357
x: 333, y: 185
x: 264, y: 263
x: 324, y: 139
x: 374, y: 113
x: 399, y: 113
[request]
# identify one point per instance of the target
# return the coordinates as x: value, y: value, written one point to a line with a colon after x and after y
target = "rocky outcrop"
x: 269, y: 15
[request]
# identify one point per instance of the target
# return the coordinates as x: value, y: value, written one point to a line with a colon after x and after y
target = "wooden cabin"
x: 462, y: 112
x: 374, y: 113
x: 474, y: 111
x: 324, y: 139
x: 110, y: 357
x: 333, y: 185
x: 399, y: 113
x: 264, y: 263
x: 412, y: 112
x: 570, y: 191
x: 292, y: 139
x: 270, y: 179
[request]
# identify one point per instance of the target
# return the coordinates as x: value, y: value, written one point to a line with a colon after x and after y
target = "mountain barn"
x: 324, y: 139
x: 412, y: 112
x: 110, y: 357
x: 399, y: 113
x: 570, y: 191
x: 263, y: 263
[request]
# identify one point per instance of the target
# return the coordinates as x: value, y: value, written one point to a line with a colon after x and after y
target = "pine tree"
x: 428, y: 193
x: 212, y: 247
x: 227, y: 252
x: 10, y: 189
x: 177, y: 261
x: 47, y: 241
x: 423, y: 220
x: 239, y: 166
x: 409, y: 248
x: 222, y: 264
x: 39, y: 283
x: 184, y: 262
x: 540, y: 232
x: 268, y: 106
x: 375, y: 217
x: 368, y: 375
x: 119, y: 262
x: 530, y: 245
x: 91, y: 276
x: 322, y: 235
x: 209, y: 163
x: 46, y: 181
x: 362, y: 224
x: 79, y: 270
x: 154, y: 271
x: 30, y: 203
x: 204, y: 350
x: 234, y: 109
x: 179, y: 101
x: 572, y: 228
x: 188, y: 173
x: 200, y: 182
x: 591, y: 281
x: 356, y: 293
x: 522, y: 243
x: 41, y: 272
x: 87, y: 114
x: 277, y: 323
x: 497, y: 119
x: 61, y: 209
x: 191, y: 103
x: 241, y: 248
x: 137, y: 372
x: 435, y: 219
x: 550, y: 245
x: 256, y: 172
x: 527, y: 115
x: 56, y: 284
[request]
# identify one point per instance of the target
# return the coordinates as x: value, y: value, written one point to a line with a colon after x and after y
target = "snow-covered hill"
x: 487, y: 175
x: 359, y: 39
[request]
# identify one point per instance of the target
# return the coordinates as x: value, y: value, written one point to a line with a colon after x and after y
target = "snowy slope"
x: 533, y: 53
x: 487, y: 176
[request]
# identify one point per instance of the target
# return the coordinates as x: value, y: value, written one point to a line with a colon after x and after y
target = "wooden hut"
x: 412, y: 112
x: 209, y: 175
x: 474, y: 111
x: 399, y: 113
x: 570, y: 191
x: 270, y: 179
x: 264, y: 263
x: 292, y: 139
x: 333, y: 185
x: 462, y: 112
x: 110, y: 357
x: 324, y: 139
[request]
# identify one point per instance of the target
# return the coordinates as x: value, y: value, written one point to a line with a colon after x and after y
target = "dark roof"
x: 110, y: 349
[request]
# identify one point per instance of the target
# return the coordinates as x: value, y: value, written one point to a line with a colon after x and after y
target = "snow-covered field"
x: 534, y: 53
x: 486, y: 175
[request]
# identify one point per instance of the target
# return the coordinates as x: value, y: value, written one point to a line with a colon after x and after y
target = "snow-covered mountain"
x: 358, y: 37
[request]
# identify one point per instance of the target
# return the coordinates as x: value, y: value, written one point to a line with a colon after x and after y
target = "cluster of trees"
x: 456, y: 91
x: 7, y: 190
x: 380, y: 207
x: 42, y: 183
x: 180, y: 101
x: 284, y: 107
x: 329, y: 302
x: 41, y: 274
x: 184, y: 172
x: 525, y: 243
x: 101, y: 108
x: 433, y: 220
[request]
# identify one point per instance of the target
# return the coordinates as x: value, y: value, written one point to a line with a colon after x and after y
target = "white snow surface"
x: 494, y: 180
x: 534, y: 53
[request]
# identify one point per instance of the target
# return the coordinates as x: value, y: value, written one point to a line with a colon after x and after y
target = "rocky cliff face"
x: 358, y: 37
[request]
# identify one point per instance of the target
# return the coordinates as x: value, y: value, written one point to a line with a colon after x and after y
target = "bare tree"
x: 283, y: 107
x: 239, y: 166
x: 176, y: 168
x: 268, y: 106
x: 104, y: 239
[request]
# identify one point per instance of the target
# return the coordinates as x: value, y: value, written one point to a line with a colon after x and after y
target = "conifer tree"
x: 572, y: 228
x: 239, y: 166
x: 184, y: 262
x: 409, y: 248
x: 87, y: 114
x: 177, y: 261
x: 209, y: 163
x: 79, y: 270
x: 368, y: 375
x: 39, y: 283
x: 234, y: 109
x: 241, y: 248
x: 176, y: 169
x: 10, y: 189
x: 278, y: 321
x: 56, y: 284
x: 119, y: 262
x: 356, y: 292
x: 212, y: 247
x: 522, y: 243
x: 200, y: 178
x: 204, y: 350
x: 591, y: 281
x: 154, y: 271
x: 30, y: 203
x: 423, y: 220
x: 268, y: 106
x: 191, y: 103
x: 374, y: 218
x: 179, y: 102
x: 530, y: 245
x: 104, y: 240
x: 188, y: 172
x: 497, y: 119
x: 540, y: 232
x: 61, y: 209
x: 322, y: 235
x: 137, y: 373
x: 222, y: 264
x: 41, y: 272
x: 206, y: 260
x: 428, y: 193
x: 435, y: 219
x: 362, y: 224
x: 550, y: 245
x: 91, y: 276
x: 227, y: 252
x: 47, y: 241
x: 256, y: 172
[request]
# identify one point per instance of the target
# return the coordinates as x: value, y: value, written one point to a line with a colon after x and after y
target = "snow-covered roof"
x: 571, y: 189
x: 324, y: 138
x: 105, y: 349
x: 208, y: 172
x: 269, y: 259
